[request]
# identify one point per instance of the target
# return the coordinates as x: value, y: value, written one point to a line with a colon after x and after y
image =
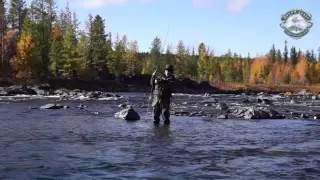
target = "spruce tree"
x: 17, y: 13
x: 285, y: 53
x: 155, y: 55
x: 293, y: 56
x: 98, y: 41
x: 273, y: 54
x: 279, y: 56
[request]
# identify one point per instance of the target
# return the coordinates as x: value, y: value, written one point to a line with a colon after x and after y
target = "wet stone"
x: 52, y: 106
x: 128, y: 114
x: 222, y: 117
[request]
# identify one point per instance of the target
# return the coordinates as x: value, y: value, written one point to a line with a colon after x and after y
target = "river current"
x: 91, y: 144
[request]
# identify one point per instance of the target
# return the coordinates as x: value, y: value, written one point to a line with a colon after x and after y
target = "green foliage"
x: 155, y: 53
x: 58, y: 45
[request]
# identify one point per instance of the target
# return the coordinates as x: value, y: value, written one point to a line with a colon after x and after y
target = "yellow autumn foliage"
x: 299, y: 72
x: 258, y: 68
x: 23, y: 64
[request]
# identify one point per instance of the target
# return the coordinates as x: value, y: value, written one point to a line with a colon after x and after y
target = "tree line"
x: 39, y: 42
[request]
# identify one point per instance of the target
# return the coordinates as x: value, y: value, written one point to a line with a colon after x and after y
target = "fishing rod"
x: 152, y: 88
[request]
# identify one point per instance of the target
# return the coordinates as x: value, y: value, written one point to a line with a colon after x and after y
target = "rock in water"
x: 257, y: 113
x: 128, y: 114
x: 222, y: 117
x: 52, y: 106
x: 222, y: 106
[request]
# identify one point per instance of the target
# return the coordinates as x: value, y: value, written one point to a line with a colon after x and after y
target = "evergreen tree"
x: 293, y: 56
x: 98, y: 41
x: 42, y: 13
x: 273, y: 54
x: 111, y: 60
x: 119, y: 56
x: 180, y: 59
x: 4, y: 66
x: 218, y: 75
x: 193, y: 64
x: 132, y: 57
x: 17, y: 13
x: 313, y: 56
x: 56, y: 50
x: 202, y: 62
x: 246, y: 72
x: 279, y: 56
x: 155, y: 54
x: 200, y: 47
x: 285, y: 53
x: 82, y: 50
x: 211, y: 67
x: 169, y: 59
x: 308, y: 56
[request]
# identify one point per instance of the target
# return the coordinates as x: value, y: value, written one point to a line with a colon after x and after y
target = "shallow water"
x: 91, y: 144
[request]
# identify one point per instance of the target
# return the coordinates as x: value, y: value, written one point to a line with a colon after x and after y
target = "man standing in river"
x: 162, y: 89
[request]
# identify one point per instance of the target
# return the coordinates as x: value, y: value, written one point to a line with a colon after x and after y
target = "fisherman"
x: 162, y: 89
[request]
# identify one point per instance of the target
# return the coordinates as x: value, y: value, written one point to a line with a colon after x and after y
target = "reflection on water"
x: 82, y: 144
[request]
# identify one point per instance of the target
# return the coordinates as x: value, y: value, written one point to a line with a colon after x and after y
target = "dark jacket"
x: 164, y: 86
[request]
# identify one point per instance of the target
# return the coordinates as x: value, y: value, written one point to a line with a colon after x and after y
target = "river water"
x: 91, y: 144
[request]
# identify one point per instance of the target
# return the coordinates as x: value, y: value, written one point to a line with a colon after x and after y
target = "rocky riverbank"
x: 140, y: 83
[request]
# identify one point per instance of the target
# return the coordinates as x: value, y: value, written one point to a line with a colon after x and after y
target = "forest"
x: 38, y: 41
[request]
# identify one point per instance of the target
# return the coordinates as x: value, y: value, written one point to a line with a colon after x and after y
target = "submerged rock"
x: 257, y: 113
x: 53, y: 106
x: 222, y: 106
x: 316, y: 116
x: 128, y: 114
x: 81, y: 106
x: 264, y: 101
x: 207, y: 105
x: 122, y: 105
x: 246, y: 100
x: 222, y: 117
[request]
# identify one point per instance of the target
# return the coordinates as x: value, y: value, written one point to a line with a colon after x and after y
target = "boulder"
x: 18, y: 90
x: 222, y: 106
x: 257, y: 113
x: 53, y: 106
x: 128, y: 114
x: 316, y: 116
x: 264, y: 101
x: 305, y: 92
x: 222, y: 117
x: 81, y: 106
x: 246, y: 100
x: 123, y: 106
x: 287, y: 94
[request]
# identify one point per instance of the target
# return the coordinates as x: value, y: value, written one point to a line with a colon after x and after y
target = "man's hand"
x: 154, y: 73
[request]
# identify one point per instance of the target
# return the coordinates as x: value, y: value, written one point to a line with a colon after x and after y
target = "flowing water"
x: 91, y: 144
